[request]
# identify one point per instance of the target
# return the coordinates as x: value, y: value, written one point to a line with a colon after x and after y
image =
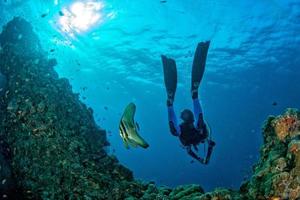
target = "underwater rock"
x: 7, y: 181
x: 287, y: 125
x: 186, y: 192
x: 3, y: 83
x: 56, y: 150
x: 276, y: 175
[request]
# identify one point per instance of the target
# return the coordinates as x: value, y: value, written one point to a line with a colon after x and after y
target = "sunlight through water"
x: 81, y: 17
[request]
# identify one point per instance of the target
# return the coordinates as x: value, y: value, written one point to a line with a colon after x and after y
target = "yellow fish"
x: 129, y: 129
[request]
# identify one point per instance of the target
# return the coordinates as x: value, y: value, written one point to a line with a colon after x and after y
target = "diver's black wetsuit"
x: 191, y: 134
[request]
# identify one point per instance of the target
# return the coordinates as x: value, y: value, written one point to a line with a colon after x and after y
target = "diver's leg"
x: 175, y: 130
x: 211, y: 145
x: 198, y: 113
x: 199, y: 66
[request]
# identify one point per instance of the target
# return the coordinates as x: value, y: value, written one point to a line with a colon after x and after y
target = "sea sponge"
x: 287, y: 124
x: 294, y: 147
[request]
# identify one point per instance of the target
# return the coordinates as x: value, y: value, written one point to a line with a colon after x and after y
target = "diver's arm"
x: 174, y: 128
x: 198, y: 113
x: 194, y: 155
x: 211, y: 145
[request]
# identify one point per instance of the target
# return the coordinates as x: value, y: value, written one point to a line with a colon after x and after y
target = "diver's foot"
x: 170, y: 99
x: 201, y: 160
x: 194, y: 93
x: 170, y: 102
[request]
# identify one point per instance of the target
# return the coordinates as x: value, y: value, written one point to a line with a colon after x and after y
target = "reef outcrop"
x: 51, y: 147
x: 56, y: 147
x: 277, y: 174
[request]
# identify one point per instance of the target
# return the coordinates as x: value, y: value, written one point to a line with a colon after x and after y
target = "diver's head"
x: 187, y: 116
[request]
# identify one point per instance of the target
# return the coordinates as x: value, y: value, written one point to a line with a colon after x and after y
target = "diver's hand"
x: 206, y: 162
x: 211, y: 143
x: 201, y: 160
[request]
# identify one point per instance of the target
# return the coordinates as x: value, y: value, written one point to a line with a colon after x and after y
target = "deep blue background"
x: 253, y: 61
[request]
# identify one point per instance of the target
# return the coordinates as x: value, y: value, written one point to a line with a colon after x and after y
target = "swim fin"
x: 170, y: 77
x: 199, y: 66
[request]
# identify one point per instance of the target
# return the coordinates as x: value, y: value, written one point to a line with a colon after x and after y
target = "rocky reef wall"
x: 277, y: 174
x: 51, y: 147
x: 55, y: 145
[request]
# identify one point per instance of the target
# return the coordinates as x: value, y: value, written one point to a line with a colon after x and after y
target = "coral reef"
x: 57, y: 148
x: 277, y: 174
x: 51, y: 147
x: 287, y: 125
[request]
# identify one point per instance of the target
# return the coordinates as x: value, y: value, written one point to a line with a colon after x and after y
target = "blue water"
x: 253, y: 62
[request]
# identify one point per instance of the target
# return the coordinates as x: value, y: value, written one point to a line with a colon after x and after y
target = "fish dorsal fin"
x: 128, y: 116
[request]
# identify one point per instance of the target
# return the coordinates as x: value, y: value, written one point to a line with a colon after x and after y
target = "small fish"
x: 84, y: 88
x: 77, y: 62
x: 129, y: 129
x: 52, y: 50
x: 44, y: 15
x: 105, y: 108
x: 163, y: 1
x: 61, y: 13
x: 274, y: 103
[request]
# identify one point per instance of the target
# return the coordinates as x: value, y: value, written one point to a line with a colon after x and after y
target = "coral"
x: 287, y: 124
x: 186, y: 192
x: 51, y: 147
x: 57, y: 148
x: 221, y: 194
x: 277, y: 173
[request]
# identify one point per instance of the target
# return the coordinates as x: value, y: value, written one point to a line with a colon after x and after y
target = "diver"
x: 191, y: 132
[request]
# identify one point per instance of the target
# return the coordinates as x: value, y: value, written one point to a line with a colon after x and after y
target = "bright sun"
x: 80, y: 17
